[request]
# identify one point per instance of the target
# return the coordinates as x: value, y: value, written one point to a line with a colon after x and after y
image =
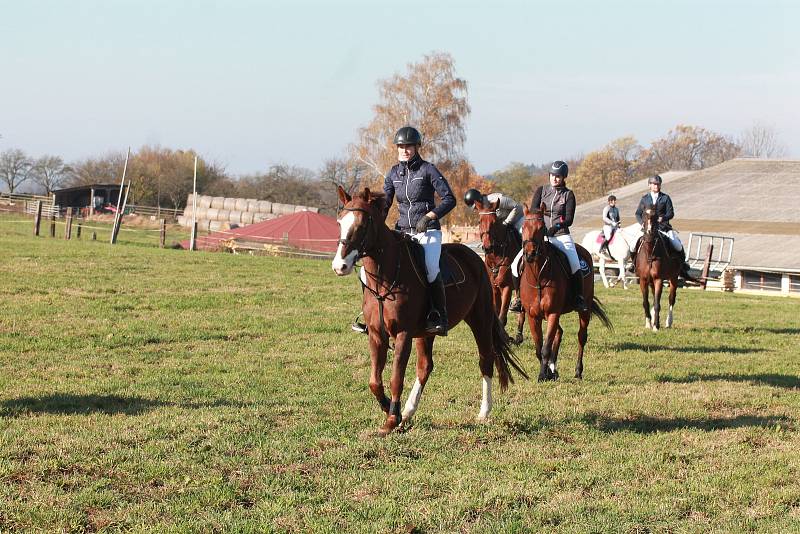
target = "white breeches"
x: 565, y: 244
x: 674, y: 240
x: 431, y: 241
x: 607, y: 229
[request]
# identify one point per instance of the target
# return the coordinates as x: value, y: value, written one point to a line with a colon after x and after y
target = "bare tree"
x: 429, y: 97
x: 761, y: 141
x: 50, y: 173
x: 105, y: 169
x: 15, y: 168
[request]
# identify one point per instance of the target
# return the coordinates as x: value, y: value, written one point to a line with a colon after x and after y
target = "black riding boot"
x: 684, y: 266
x: 516, y: 307
x: 436, y: 323
x: 580, y: 303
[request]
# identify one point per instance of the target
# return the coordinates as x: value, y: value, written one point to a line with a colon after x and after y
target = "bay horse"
x: 396, y: 301
x: 500, y: 247
x: 547, y: 293
x: 619, y: 250
x: 654, y: 265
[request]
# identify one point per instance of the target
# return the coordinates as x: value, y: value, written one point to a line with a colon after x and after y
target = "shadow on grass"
x: 781, y: 381
x: 689, y: 349
x: 643, y: 424
x: 67, y: 404
x: 648, y: 425
x: 751, y: 330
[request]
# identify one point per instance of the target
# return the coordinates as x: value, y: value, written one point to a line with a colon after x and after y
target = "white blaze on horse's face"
x: 344, y: 265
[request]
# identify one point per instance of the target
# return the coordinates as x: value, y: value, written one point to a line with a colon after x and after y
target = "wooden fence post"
x: 68, y: 224
x: 94, y: 236
x: 707, y: 264
x: 53, y: 224
x: 78, y: 235
x: 38, y: 218
x: 163, y: 233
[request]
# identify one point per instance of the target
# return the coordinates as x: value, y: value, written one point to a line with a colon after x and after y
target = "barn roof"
x: 305, y: 230
x: 752, y: 200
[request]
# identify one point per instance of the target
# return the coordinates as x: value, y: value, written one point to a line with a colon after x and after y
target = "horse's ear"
x: 525, y: 209
x: 364, y: 194
x: 344, y: 198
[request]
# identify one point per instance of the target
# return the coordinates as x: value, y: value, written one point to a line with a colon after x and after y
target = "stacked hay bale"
x: 221, y: 213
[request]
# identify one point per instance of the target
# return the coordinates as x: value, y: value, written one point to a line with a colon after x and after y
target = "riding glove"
x: 422, y: 224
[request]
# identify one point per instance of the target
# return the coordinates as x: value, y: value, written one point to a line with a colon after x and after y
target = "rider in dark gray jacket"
x: 559, y: 212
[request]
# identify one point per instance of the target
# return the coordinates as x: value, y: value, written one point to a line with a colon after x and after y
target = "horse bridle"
x: 537, y: 249
x: 494, y: 246
x: 362, y: 247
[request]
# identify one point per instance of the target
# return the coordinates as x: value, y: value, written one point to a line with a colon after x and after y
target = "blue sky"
x: 250, y: 84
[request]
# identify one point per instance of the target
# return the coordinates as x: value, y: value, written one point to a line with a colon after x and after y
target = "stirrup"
x: 580, y: 303
x: 516, y: 306
x: 434, y: 324
x: 358, y: 326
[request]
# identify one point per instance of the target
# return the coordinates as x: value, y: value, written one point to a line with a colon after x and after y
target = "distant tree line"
x: 429, y: 96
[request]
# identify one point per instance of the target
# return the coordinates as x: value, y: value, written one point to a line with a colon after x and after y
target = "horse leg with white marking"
x: 480, y: 326
x: 658, y: 287
x: 547, y: 367
x: 378, y: 348
x: 424, y: 369
x: 556, y: 348
x: 673, y: 295
x: 602, y: 268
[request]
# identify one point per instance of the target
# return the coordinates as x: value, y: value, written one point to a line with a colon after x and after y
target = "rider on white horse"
x: 611, y: 222
x: 510, y: 212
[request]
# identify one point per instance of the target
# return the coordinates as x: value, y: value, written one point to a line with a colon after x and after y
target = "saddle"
x: 563, y: 263
x: 451, y: 271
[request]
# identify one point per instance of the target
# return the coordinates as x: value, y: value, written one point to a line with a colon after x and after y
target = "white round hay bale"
x: 230, y: 204
x: 260, y: 217
x: 313, y: 210
x: 215, y: 226
x: 204, y: 201
x: 211, y: 214
x: 184, y: 221
x: 241, y: 204
x: 282, y: 209
x: 223, y: 215
x: 202, y: 213
x: 201, y: 225
x: 252, y: 205
x: 247, y: 217
x: 235, y: 216
x: 264, y: 206
x: 217, y: 202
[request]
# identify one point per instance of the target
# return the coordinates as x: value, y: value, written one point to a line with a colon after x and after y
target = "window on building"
x: 761, y: 281
x: 794, y: 283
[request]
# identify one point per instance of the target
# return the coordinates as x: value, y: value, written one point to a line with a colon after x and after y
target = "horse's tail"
x: 598, y: 311
x: 504, y: 357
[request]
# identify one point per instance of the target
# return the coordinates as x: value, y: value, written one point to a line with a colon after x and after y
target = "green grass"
x: 166, y: 391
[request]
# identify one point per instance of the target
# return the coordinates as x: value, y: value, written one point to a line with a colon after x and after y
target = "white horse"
x: 621, y: 246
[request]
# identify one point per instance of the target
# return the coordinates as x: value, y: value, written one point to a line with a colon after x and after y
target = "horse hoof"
x: 518, y: 340
x: 482, y: 418
x: 388, y: 426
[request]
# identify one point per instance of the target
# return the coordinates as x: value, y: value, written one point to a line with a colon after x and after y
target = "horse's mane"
x: 377, y: 201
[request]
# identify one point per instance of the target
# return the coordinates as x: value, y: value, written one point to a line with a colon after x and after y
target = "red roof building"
x: 304, y: 230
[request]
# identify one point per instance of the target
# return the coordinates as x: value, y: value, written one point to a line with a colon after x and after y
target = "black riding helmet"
x: 408, y: 135
x: 559, y: 168
x: 471, y: 196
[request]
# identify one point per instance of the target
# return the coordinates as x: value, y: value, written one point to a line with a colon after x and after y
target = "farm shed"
x: 751, y: 200
x: 89, y: 197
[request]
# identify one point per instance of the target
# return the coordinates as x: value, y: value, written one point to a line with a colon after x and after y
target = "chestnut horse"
x: 396, y: 302
x: 654, y: 264
x: 547, y: 293
x: 500, y: 248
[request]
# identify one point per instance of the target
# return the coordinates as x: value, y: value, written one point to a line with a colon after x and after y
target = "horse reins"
x: 363, y: 251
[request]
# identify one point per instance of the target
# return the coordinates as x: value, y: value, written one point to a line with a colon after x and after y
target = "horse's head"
x: 358, y: 221
x: 533, y: 231
x: 491, y: 230
x: 650, y: 224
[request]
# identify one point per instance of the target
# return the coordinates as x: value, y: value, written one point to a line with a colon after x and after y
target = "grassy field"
x: 166, y: 391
